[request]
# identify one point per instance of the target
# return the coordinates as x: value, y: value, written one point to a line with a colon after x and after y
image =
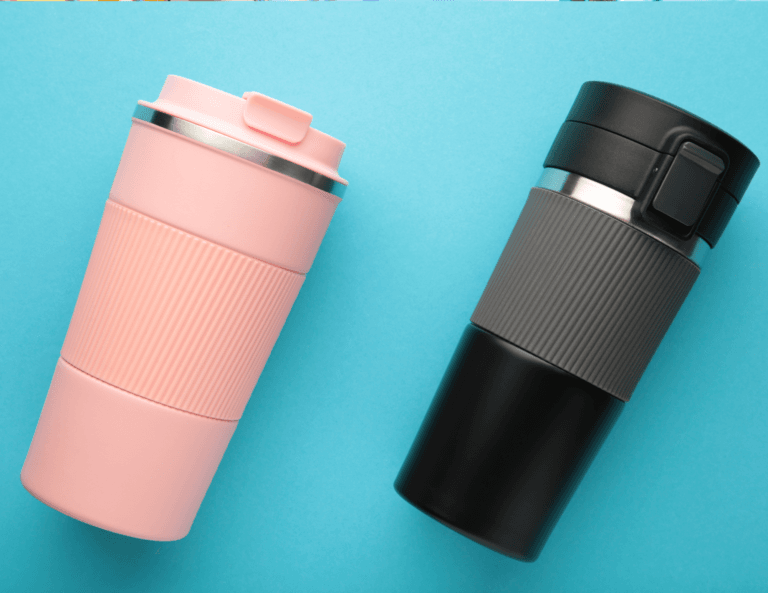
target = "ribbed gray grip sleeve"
x: 584, y: 291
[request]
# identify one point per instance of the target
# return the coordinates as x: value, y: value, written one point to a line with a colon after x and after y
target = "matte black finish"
x: 574, y: 310
x: 693, y: 174
x: 505, y: 443
x: 662, y: 127
x: 716, y: 218
x: 608, y: 158
x: 629, y: 141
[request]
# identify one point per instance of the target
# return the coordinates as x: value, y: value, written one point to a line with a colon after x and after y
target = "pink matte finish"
x: 174, y: 318
x: 121, y: 462
x: 275, y: 118
x: 198, y: 260
x: 223, y: 113
x: 222, y: 198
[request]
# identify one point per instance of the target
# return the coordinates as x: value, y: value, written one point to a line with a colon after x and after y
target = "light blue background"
x: 448, y: 112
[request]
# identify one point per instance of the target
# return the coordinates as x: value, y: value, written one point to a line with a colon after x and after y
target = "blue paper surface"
x: 448, y: 112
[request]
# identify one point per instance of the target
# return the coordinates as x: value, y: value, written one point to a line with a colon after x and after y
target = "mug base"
x: 121, y: 462
x: 504, y: 445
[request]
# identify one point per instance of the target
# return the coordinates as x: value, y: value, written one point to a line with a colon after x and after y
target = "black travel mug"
x: 633, y: 195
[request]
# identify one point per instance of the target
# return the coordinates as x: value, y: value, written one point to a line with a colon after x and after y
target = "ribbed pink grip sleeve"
x: 175, y: 318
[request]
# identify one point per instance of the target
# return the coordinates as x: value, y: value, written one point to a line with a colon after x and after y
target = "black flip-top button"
x: 692, y: 176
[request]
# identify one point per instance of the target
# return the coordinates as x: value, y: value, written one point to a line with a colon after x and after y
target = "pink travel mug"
x: 216, y: 213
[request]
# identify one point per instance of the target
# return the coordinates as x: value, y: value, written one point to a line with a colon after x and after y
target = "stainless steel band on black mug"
x: 634, y: 194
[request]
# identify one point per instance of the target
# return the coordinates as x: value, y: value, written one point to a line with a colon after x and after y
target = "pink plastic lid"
x: 254, y: 119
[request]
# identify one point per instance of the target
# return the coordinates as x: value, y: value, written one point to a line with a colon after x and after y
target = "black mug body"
x: 634, y: 194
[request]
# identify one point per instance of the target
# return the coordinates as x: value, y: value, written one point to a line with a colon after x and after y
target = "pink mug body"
x: 215, y: 216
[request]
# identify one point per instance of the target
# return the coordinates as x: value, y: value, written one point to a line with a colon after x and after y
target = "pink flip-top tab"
x: 264, y: 123
x: 275, y: 118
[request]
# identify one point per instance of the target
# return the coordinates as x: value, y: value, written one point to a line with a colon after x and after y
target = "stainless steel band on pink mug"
x: 216, y: 214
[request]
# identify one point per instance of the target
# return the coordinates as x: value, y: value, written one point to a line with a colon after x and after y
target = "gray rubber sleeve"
x: 584, y: 291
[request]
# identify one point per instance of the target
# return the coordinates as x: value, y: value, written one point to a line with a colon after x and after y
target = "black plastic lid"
x: 686, y: 174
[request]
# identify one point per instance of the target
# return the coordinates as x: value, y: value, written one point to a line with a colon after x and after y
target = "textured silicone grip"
x: 175, y: 318
x: 584, y: 291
